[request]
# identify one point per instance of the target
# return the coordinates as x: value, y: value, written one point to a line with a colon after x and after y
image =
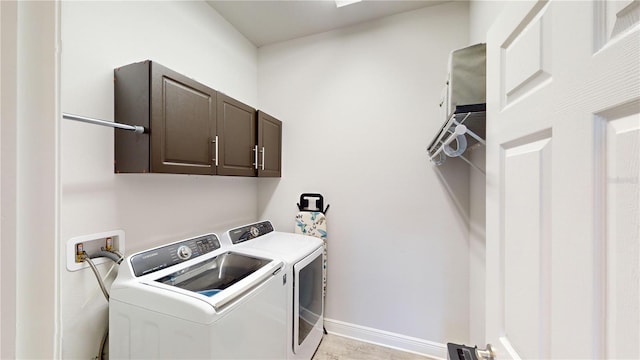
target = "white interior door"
x: 563, y: 168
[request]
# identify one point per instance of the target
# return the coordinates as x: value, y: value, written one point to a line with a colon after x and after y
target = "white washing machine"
x: 197, y: 299
x: 303, y: 268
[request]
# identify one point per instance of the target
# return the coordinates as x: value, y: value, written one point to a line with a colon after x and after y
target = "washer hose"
x: 117, y: 258
x: 97, y: 274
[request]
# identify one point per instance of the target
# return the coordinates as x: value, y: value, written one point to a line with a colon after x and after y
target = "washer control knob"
x: 184, y: 252
x: 254, y: 231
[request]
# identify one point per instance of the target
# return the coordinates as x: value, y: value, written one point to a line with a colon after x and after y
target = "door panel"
x: 622, y: 161
x: 612, y: 19
x: 526, y: 248
x: 237, y: 137
x: 186, y: 113
x: 183, y: 122
x: 526, y: 55
x: 563, y: 252
x: 269, y: 145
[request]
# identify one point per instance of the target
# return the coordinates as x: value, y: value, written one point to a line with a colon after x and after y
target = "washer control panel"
x: 249, y: 232
x: 159, y: 258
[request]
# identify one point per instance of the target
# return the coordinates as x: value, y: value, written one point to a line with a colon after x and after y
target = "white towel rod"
x: 135, y: 128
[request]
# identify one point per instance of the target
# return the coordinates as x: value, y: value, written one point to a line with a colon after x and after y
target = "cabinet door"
x: 236, y: 136
x: 183, y: 123
x: 269, y: 145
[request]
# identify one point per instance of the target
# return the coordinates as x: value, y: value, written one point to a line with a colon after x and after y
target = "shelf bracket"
x: 459, y: 130
x: 447, y: 133
x: 454, y: 127
x: 471, y: 133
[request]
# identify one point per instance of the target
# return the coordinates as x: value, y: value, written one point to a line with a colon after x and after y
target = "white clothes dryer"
x: 197, y: 299
x: 303, y: 269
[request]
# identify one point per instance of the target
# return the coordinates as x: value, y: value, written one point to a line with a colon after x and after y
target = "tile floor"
x: 335, y: 347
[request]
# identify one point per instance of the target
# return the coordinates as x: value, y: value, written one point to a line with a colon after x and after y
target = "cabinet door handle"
x: 215, y: 159
x: 263, y: 151
x: 255, y: 157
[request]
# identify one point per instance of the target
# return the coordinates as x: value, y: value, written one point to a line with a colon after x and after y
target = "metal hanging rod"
x: 135, y: 128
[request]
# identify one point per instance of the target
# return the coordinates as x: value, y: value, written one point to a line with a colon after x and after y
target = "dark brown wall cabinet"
x: 192, y: 128
x: 269, y: 147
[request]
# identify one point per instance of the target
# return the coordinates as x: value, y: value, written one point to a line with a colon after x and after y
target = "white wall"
x: 152, y: 209
x: 359, y: 107
x: 482, y: 14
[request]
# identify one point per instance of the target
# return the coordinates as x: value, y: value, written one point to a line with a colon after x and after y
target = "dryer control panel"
x: 172, y: 254
x: 249, y: 232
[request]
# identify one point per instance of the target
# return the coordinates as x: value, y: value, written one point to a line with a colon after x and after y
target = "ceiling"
x: 267, y: 22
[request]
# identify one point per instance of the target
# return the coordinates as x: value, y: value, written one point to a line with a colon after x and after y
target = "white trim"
x: 387, y: 339
x: 57, y: 339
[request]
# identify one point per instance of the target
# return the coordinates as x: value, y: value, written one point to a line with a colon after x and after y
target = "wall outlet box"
x: 91, y: 244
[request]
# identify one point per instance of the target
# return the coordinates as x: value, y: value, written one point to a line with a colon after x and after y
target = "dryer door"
x: 308, y: 303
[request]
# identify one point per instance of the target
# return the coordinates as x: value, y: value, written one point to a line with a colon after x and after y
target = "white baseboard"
x: 387, y: 339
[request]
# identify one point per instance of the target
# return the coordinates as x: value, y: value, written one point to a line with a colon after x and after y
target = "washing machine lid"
x: 261, y: 236
x: 287, y: 246
x: 212, y: 276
